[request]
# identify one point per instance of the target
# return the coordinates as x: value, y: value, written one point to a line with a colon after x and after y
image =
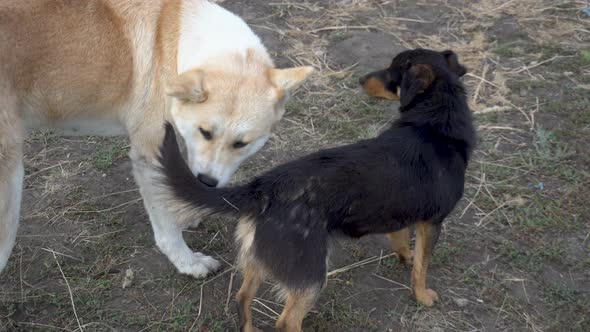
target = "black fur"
x: 414, y: 171
x: 189, y: 190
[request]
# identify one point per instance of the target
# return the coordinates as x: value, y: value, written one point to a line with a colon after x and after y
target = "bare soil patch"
x: 514, y: 256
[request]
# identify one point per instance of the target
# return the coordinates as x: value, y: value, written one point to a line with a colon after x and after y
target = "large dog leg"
x: 167, y: 231
x: 11, y: 176
x: 426, y: 238
x: 11, y: 181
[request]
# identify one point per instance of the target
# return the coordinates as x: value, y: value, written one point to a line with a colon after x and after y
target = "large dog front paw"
x: 199, y: 265
x: 211, y: 263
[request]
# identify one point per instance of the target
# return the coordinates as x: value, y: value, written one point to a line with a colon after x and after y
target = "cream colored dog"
x: 123, y: 67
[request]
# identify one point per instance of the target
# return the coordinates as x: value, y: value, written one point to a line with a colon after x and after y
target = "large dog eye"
x: 206, y: 134
x: 239, y: 144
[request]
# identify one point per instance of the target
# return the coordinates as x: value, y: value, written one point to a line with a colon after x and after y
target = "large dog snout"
x: 207, y: 180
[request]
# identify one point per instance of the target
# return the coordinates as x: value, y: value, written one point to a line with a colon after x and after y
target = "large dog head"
x: 225, y: 111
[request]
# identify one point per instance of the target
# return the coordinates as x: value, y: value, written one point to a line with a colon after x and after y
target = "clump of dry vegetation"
x: 514, y: 255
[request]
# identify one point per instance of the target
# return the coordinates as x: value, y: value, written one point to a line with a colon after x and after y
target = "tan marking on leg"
x: 244, y: 238
x: 400, y: 241
x: 297, y: 306
x: 252, y: 280
x: 422, y: 254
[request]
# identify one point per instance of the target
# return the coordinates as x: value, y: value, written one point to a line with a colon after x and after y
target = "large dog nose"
x: 207, y: 180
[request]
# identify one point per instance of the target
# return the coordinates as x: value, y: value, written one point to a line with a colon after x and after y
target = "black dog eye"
x: 239, y: 144
x: 206, y: 134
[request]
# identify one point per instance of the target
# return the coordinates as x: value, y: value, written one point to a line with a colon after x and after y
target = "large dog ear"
x: 289, y: 79
x: 453, y: 63
x: 416, y: 79
x: 376, y: 85
x: 188, y: 87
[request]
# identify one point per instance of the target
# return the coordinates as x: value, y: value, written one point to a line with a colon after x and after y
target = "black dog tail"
x: 190, y: 199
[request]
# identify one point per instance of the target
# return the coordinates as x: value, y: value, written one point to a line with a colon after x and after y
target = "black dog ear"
x: 375, y: 84
x: 453, y: 62
x: 416, y: 79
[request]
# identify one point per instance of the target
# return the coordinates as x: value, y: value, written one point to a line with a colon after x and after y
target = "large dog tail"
x: 188, y: 198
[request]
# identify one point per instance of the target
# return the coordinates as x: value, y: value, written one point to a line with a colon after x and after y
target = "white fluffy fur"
x: 167, y: 231
x: 206, y: 23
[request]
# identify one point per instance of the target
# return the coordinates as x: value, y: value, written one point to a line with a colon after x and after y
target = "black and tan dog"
x: 411, y: 174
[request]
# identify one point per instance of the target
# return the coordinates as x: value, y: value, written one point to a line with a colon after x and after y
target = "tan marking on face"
x: 375, y: 88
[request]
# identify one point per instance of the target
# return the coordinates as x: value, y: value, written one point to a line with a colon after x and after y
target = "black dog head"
x: 411, y: 73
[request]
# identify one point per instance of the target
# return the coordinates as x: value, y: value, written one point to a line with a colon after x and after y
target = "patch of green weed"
x: 105, y: 158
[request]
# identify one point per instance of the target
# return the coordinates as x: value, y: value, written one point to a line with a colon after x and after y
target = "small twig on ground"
x: 503, y: 5
x: 106, y: 210
x: 171, y: 305
x: 403, y: 19
x: 50, y: 327
x: 20, y: 275
x: 69, y: 291
x: 393, y: 282
x: 478, y: 88
x: 344, y: 27
x: 265, y: 314
x: 267, y: 308
x: 532, y: 115
x: 228, y: 202
x: 198, y: 312
x: 507, y: 203
x: 482, y: 179
x: 525, y: 68
x: 229, y: 287
x: 525, y: 293
x: 358, y: 264
x: 61, y: 254
x: 110, y: 328
x: 497, y: 204
x: 493, y: 109
x: 201, y: 296
x: 45, y: 169
x: 483, y: 127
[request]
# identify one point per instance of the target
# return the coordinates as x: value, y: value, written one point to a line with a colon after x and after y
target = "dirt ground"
x: 514, y: 256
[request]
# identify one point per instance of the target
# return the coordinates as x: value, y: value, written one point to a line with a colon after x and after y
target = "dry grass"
x: 516, y: 249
